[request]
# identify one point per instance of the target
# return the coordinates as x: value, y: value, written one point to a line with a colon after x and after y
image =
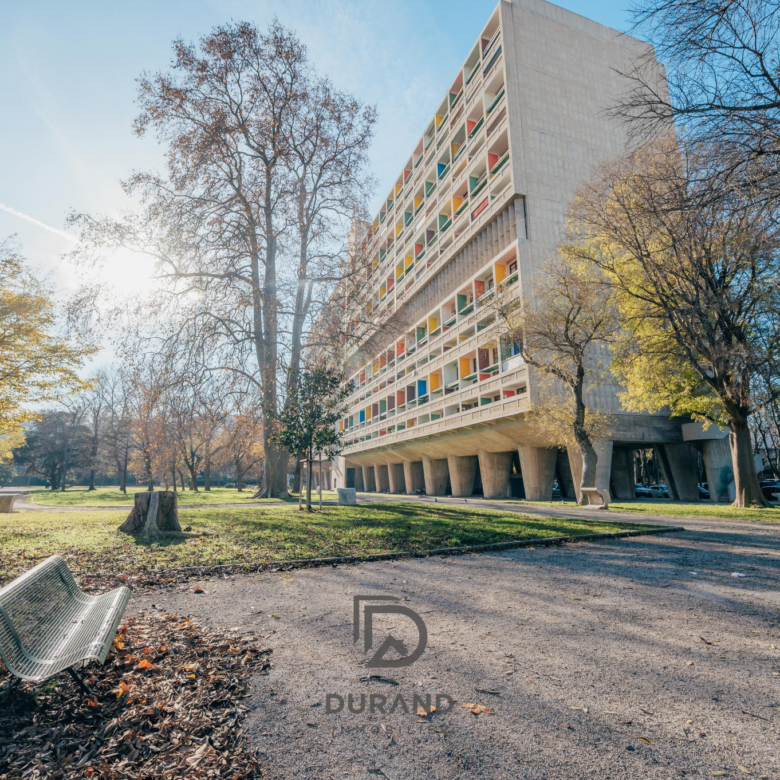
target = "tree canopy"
x: 39, y: 359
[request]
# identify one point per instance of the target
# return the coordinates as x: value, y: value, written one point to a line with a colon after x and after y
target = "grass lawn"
x: 80, y: 496
x: 90, y: 541
x: 704, y: 509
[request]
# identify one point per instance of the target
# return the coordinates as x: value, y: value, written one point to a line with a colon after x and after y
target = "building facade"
x: 439, y: 402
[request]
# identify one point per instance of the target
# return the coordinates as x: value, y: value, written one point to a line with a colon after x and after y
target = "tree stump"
x: 153, y: 514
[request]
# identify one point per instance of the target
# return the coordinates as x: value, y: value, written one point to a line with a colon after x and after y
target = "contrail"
x: 37, y: 222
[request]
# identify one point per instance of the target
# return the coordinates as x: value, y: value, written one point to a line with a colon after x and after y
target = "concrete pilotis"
x: 381, y: 476
x: 566, y: 485
x: 681, y: 471
x: 369, y: 481
x: 494, y: 469
x: 623, y: 473
x: 575, y: 466
x: 414, y: 476
x: 603, y: 464
x: 719, y: 468
x: 537, y: 465
x: 436, y: 473
x: 463, y: 470
x: 359, y: 479
x: 395, y: 476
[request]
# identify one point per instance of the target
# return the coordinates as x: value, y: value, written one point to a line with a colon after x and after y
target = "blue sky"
x: 67, y: 80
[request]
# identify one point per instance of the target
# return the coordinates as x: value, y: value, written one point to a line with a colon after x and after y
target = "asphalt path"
x: 652, y: 656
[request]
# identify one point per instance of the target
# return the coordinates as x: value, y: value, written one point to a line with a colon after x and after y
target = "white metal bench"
x: 47, y: 625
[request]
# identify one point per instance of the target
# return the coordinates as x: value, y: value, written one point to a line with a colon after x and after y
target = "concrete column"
x: 369, y: 481
x: 681, y: 472
x: 566, y: 481
x: 359, y: 479
x: 575, y: 466
x: 463, y: 469
x: 414, y: 478
x: 623, y: 473
x: 436, y: 473
x: 537, y: 465
x: 719, y: 468
x: 604, y: 464
x: 494, y: 469
x: 395, y: 476
x: 382, y: 483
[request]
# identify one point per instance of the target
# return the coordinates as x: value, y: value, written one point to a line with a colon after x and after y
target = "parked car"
x: 640, y: 491
x: 704, y: 494
x: 658, y: 491
x: 770, y: 491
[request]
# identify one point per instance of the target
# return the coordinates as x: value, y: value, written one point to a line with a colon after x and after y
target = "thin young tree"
x: 694, y: 274
x: 309, y: 424
x: 563, y: 331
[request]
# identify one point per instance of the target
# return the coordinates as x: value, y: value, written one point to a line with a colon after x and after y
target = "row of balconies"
x: 496, y: 399
x: 469, y: 173
x: 460, y: 101
x: 472, y: 297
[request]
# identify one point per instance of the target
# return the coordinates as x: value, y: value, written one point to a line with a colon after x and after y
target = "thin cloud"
x: 37, y: 222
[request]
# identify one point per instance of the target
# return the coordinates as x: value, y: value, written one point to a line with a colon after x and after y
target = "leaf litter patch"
x: 167, y: 703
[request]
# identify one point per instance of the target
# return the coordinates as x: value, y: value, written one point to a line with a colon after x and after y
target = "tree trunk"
x: 193, y: 480
x: 123, y: 479
x: 319, y: 487
x: 300, y: 492
x: 91, y: 479
x: 207, y: 476
x: 239, y: 483
x: 748, y: 491
x: 148, y: 467
x: 582, y: 440
x: 309, y: 463
x: 296, y: 486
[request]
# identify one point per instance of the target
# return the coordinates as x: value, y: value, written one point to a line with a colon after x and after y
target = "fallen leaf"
x: 645, y: 740
x: 92, y: 703
x: 122, y: 689
x: 477, y: 709
x: 204, y: 753
x: 120, y: 645
x: 198, y: 589
x: 744, y: 769
x: 191, y: 667
x: 145, y: 665
x: 719, y: 773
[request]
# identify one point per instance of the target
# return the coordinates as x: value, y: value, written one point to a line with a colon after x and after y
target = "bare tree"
x: 694, y: 271
x: 265, y: 169
x: 117, y: 436
x: 563, y: 332
x: 723, y: 81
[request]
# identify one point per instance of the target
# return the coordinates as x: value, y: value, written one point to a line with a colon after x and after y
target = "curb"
x: 311, y: 563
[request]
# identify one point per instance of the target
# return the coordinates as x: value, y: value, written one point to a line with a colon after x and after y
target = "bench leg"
x: 12, y: 683
x: 84, y: 687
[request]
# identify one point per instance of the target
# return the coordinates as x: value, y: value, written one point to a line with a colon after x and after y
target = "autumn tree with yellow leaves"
x: 39, y: 359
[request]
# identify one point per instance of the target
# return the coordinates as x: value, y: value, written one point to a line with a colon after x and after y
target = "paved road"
x: 638, y: 658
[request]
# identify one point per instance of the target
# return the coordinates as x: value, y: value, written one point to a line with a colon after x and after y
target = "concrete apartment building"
x: 480, y: 204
